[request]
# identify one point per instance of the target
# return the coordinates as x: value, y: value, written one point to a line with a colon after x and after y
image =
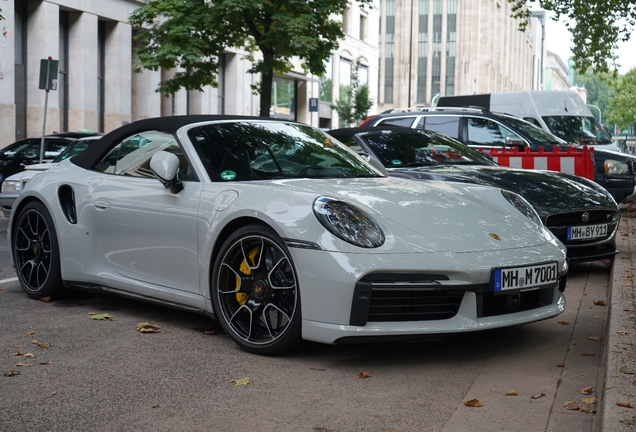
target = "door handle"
x: 102, y: 204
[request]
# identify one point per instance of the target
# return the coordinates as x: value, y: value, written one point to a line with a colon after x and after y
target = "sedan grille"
x: 576, y: 218
x: 413, y: 305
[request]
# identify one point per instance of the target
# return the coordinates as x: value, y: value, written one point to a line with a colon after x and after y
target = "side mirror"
x: 165, y: 166
x: 374, y: 163
x: 516, y: 142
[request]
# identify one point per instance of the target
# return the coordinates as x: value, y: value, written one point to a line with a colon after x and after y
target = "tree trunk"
x: 266, y: 93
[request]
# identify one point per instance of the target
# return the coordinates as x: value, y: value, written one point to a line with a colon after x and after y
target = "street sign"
x: 313, y: 104
x: 48, y: 68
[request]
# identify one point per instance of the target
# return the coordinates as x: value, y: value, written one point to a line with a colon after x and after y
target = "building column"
x: 43, y: 41
x: 117, y: 77
x: 83, y: 64
x: 146, y: 102
x: 7, y: 78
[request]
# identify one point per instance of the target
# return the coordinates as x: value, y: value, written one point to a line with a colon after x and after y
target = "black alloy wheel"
x: 255, y: 291
x: 36, y: 252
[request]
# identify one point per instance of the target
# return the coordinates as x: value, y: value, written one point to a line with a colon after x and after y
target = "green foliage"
x: 596, y: 27
x: 600, y: 89
x: 189, y: 34
x: 354, y: 102
x: 622, y: 108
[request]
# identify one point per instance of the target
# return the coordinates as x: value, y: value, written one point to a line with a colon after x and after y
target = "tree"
x: 190, y: 34
x: 596, y: 27
x: 622, y: 109
x: 600, y: 88
x: 354, y: 102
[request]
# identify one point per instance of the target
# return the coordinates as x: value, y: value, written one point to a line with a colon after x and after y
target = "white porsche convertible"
x: 282, y: 233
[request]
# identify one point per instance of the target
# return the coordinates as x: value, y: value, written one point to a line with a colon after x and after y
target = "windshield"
x: 242, y: 151
x: 403, y: 148
x: 534, y: 132
x: 580, y: 130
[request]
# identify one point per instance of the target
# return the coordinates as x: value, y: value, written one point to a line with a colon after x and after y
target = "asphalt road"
x: 107, y: 376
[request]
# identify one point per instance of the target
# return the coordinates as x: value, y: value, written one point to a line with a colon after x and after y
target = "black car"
x: 14, y: 157
x: 579, y: 212
x: 479, y: 128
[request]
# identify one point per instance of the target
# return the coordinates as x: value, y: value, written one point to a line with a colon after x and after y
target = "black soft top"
x: 102, y: 146
x: 349, y: 132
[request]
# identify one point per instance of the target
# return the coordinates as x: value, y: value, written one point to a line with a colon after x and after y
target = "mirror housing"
x: 165, y: 167
x: 516, y: 142
x: 374, y: 163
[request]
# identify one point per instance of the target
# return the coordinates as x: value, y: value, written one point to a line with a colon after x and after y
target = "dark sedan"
x: 582, y: 214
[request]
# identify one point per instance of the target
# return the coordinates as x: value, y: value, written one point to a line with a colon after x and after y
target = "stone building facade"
x: 433, y: 48
x: 97, y: 89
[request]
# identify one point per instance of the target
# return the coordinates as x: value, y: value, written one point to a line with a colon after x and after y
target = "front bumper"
x: 6, y: 202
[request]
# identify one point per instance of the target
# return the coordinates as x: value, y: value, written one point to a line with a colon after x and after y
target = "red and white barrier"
x: 575, y: 161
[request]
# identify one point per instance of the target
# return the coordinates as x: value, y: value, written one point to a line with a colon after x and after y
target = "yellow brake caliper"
x: 245, y: 269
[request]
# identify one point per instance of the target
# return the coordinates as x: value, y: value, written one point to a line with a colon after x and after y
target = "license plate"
x: 525, y: 277
x: 587, y: 232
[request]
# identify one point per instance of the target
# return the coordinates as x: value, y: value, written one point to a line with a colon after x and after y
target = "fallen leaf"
x: 511, y: 393
x: 571, y: 405
x: 35, y: 342
x: 587, y: 409
x: 45, y: 299
x: 30, y: 355
x: 241, y: 382
x: 473, y: 403
x: 600, y: 303
x: 624, y: 404
x: 622, y: 332
x: 560, y: 365
x: 588, y: 354
x: 48, y: 362
x: 594, y: 338
x: 587, y: 390
x: 564, y: 322
x: 45, y: 345
x: 589, y: 400
x: 102, y: 317
x: 11, y: 373
x: 537, y: 395
x: 54, y: 393
x: 316, y: 369
x: 364, y: 374
x: 0, y: 289
x: 147, y: 327
x: 209, y: 332
x: 574, y: 343
x: 19, y: 353
x: 92, y: 313
x: 24, y: 364
x: 626, y: 371
x: 29, y: 333
x: 597, y: 317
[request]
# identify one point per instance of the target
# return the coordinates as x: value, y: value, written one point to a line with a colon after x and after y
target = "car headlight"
x: 348, y: 223
x: 523, y: 206
x: 615, y: 167
x: 11, y: 186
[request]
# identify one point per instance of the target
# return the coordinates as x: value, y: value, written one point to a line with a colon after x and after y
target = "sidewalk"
x: 619, y: 393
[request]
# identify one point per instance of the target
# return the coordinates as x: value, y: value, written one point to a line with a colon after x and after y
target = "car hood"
x: 423, y: 216
x: 549, y: 192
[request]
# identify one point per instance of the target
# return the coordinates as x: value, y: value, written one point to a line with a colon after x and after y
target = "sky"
x: 557, y: 33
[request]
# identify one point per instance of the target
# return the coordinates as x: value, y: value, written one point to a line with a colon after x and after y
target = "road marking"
x: 9, y: 280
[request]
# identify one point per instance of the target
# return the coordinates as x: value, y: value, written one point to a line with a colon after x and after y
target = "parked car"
x: 579, y: 212
x: 14, y: 184
x: 15, y: 157
x: 479, y: 128
x: 561, y: 113
x: 282, y: 233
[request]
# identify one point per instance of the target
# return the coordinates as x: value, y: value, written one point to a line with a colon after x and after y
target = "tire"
x: 36, y: 252
x: 255, y: 291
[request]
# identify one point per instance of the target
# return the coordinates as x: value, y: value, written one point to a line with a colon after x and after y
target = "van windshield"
x: 580, y: 130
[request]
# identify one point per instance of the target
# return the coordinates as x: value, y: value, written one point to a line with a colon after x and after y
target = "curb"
x: 619, y: 358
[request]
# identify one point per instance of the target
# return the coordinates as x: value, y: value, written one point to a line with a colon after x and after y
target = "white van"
x: 562, y: 113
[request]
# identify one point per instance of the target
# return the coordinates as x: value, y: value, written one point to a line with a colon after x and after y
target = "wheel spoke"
x: 278, y: 271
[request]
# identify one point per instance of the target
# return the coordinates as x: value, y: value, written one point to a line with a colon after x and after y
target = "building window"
x: 62, y: 77
x: 363, y: 27
x: 451, y: 37
x: 283, y: 99
x: 344, y: 83
x: 326, y: 82
x: 101, y: 69
x: 437, y: 45
x: 388, y: 51
x: 20, y: 70
x: 345, y: 21
x: 422, y: 49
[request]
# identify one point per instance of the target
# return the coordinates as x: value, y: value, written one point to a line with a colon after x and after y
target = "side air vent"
x: 66, y: 196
